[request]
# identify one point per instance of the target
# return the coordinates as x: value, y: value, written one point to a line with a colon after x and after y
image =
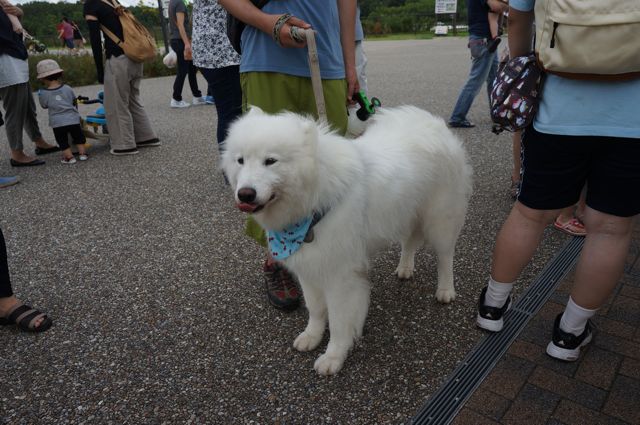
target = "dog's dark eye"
x: 241, y: 160
x: 270, y: 161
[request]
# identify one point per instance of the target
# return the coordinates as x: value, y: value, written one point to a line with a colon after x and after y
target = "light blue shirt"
x: 586, y: 108
x: 261, y: 53
x: 61, y: 105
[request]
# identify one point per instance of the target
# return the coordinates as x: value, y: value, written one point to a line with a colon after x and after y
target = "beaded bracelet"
x: 278, y: 26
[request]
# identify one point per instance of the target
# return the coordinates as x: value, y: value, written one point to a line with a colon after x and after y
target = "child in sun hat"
x: 61, y: 102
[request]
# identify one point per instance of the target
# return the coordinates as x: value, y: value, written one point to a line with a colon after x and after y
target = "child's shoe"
x: 83, y: 157
x: 70, y: 160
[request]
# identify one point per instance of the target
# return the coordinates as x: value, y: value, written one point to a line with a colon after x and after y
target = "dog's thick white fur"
x: 406, y: 179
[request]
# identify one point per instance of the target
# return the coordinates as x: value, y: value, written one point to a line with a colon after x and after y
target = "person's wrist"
x: 277, y: 27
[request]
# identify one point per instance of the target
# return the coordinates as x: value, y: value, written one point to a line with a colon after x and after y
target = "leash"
x: 316, y: 80
x: 309, y: 35
x: 299, y: 34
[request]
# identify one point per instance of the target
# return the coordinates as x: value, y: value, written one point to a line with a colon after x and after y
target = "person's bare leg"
x: 566, y: 214
x: 67, y: 154
x: 581, y: 205
x: 602, y: 259
x: 517, y: 241
x: 41, y: 143
x: 20, y: 156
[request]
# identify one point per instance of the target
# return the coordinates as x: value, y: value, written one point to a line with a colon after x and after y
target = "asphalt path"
x: 157, y: 297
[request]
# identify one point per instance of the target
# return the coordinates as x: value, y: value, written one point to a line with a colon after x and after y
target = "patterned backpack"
x: 516, y: 94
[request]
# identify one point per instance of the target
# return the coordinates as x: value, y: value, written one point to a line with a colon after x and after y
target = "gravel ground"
x: 157, y: 299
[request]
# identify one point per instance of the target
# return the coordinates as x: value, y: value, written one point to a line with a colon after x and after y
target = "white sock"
x: 497, y: 293
x: 574, y: 319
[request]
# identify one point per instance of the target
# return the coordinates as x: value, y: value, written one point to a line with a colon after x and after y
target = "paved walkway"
x: 159, y: 312
x: 602, y: 387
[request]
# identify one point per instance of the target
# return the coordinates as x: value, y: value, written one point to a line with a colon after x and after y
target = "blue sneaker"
x: 8, y: 181
x: 209, y: 100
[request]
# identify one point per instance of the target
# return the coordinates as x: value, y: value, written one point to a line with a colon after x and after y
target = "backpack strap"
x: 114, y: 4
x: 111, y: 35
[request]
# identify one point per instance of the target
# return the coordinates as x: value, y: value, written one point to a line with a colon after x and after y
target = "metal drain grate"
x: 445, y: 403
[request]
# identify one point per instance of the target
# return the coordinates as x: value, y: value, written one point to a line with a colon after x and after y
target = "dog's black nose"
x: 247, y: 194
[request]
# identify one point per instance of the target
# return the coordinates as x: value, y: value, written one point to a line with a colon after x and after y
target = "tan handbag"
x: 138, y: 44
x: 589, y: 39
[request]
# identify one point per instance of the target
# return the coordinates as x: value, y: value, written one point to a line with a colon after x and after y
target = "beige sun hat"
x: 47, y: 67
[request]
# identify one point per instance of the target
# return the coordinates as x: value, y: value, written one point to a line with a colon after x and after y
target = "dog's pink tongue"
x: 245, y: 207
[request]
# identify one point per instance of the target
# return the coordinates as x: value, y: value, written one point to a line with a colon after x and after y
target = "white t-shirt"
x: 13, y: 71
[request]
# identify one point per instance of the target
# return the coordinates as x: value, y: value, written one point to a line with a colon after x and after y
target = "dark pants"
x: 185, y: 68
x: 62, y: 135
x: 5, y: 282
x: 225, y: 87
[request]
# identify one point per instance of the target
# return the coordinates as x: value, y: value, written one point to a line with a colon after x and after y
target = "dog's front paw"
x: 445, y: 296
x: 404, y: 273
x: 328, y: 365
x: 306, y: 342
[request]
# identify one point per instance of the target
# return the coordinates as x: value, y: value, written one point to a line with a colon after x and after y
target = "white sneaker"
x: 179, y: 104
x: 83, y: 157
x: 199, y: 101
x: 71, y: 160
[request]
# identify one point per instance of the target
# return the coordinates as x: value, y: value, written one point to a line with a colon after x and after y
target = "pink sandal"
x: 572, y: 227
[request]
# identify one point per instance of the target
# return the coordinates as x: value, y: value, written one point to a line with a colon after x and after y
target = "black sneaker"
x: 460, y: 124
x: 566, y: 346
x: 490, y: 318
x: 282, y: 290
x: 121, y: 152
x: 149, y: 143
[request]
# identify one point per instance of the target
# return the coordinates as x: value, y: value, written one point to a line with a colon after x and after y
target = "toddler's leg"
x: 62, y: 138
x: 78, y: 138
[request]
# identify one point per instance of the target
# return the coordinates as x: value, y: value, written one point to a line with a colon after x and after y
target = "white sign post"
x: 446, y: 7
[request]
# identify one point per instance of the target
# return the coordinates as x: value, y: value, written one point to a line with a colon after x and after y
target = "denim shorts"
x: 555, y: 168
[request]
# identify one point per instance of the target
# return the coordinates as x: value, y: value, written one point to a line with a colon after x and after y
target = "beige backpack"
x: 138, y: 44
x: 589, y: 39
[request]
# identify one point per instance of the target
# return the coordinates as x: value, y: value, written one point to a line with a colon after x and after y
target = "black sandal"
x: 25, y: 318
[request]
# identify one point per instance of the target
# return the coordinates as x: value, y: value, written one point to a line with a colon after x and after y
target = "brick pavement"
x: 602, y: 387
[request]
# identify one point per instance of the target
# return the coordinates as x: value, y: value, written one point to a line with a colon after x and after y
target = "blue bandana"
x: 287, y: 241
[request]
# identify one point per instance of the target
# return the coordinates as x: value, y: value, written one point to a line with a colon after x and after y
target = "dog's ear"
x: 254, y: 110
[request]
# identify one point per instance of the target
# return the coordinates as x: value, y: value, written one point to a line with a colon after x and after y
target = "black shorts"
x: 62, y: 135
x: 555, y: 168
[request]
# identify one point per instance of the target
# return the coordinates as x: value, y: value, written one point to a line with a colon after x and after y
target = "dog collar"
x: 287, y: 241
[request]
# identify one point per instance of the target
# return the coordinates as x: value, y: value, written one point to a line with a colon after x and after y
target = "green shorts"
x: 273, y: 92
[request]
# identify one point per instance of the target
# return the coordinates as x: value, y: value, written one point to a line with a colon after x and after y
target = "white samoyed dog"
x: 406, y: 179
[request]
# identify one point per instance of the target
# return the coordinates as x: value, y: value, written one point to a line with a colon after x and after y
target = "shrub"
x: 80, y: 70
